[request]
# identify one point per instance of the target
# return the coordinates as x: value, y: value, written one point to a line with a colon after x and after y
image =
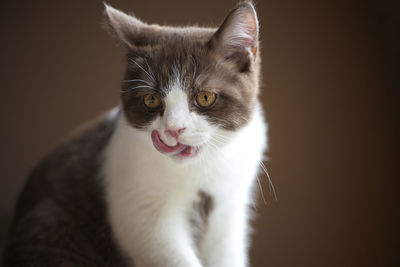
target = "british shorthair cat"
x: 166, y: 178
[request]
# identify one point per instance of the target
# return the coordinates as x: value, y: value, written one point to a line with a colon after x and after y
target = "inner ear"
x: 237, y: 38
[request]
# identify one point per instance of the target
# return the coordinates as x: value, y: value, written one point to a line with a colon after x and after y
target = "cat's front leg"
x: 157, y: 240
x: 167, y: 247
x: 226, y: 242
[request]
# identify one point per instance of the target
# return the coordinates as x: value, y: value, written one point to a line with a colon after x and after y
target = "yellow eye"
x: 151, y: 101
x: 205, y: 99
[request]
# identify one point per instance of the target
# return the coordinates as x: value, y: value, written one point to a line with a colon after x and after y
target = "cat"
x: 166, y: 178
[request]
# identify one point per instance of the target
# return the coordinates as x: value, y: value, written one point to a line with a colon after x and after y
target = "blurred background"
x: 330, y: 92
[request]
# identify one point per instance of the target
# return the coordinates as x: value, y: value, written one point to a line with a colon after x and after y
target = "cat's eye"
x: 205, y: 99
x: 151, y: 101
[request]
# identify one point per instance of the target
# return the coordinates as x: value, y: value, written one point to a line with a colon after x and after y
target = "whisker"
x: 216, y: 147
x: 261, y: 190
x: 222, y: 142
x: 137, y: 64
x: 136, y: 87
x: 137, y: 80
x: 271, y: 185
x: 211, y: 143
x: 149, y: 68
x: 220, y: 136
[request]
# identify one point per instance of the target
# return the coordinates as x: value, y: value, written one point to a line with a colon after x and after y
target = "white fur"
x: 150, y: 194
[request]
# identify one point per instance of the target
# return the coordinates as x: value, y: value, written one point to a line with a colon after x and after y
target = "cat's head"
x: 189, y: 88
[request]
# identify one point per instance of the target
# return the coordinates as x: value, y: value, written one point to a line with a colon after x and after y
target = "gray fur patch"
x: 200, y: 214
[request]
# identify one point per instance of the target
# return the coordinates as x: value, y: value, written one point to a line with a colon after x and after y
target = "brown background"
x: 329, y: 91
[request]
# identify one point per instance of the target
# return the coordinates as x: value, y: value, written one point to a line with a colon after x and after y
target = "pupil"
x: 205, y: 98
x: 152, y: 99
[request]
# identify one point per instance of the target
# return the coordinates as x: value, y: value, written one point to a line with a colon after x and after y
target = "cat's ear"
x: 237, y: 38
x: 127, y: 29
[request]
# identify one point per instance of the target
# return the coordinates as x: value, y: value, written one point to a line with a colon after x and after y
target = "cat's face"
x: 189, y: 89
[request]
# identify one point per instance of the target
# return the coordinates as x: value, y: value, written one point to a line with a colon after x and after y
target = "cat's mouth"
x: 179, y: 150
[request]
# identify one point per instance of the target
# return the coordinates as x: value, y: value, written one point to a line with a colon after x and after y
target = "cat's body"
x: 166, y: 179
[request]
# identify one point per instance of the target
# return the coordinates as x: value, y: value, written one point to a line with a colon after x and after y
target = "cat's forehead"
x: 174, y: 42
x: 164, y: 64
x: 176, y: 50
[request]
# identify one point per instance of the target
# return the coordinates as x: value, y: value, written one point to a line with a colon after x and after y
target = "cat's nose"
x: 175, y: 132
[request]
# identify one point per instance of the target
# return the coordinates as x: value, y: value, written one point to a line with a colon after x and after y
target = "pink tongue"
x: 163, y: 148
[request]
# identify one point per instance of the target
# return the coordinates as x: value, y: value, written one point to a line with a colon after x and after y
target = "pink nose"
x: 175, y: 132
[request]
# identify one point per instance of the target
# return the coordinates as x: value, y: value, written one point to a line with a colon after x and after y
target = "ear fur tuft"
x: 237, y: 37
x: 122, y: 26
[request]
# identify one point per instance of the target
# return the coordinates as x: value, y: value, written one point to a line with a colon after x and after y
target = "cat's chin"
x: 179, y: 151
